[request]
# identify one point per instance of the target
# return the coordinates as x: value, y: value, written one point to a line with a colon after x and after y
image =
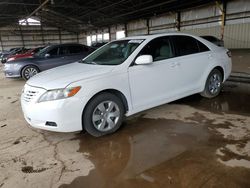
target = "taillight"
x: 229, y: 54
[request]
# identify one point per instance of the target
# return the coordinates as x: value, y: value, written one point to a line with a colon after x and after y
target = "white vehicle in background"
x: 122, y: 78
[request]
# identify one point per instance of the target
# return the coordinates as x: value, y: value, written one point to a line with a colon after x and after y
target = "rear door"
x: 73, y: 53
x: 193, y: 59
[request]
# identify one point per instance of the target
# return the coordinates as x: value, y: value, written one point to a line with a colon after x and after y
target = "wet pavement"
x: 161, y: 152
x: 240, y: 59
x: 234, y: 98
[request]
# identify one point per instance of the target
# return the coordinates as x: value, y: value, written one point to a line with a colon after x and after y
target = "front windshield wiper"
x: 91, y: 62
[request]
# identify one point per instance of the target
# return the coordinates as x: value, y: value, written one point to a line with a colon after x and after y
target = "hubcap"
x: 214, y: 84
x: 106, y: 116
x: 29, y: 72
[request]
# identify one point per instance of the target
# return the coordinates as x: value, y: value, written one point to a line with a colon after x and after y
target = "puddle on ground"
x: 157, y: 153
x: 232, y: 99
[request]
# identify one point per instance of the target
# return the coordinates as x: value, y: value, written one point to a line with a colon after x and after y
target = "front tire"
x: 213, y: 84
x: 29, y: 71
x: 103, y: 115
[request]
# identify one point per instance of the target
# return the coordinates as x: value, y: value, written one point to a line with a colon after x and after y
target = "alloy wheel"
x: 105, y: 116
x: 214, y: 83
x: 29, y: 72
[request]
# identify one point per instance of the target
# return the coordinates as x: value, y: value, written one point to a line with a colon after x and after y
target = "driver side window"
x: 53, y: 52
x: 159, y: 48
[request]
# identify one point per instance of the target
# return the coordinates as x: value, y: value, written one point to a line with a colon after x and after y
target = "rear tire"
x: 103, y: 115
x: 29, y: 71
x: 213, y: 84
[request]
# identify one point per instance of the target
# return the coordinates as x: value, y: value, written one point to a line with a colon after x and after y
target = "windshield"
x: 113, y: 53
x: 43, y: 51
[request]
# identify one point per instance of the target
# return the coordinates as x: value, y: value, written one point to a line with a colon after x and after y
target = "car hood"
x: 62, y: 76
x: 24, y: 60
x: 21, y: 55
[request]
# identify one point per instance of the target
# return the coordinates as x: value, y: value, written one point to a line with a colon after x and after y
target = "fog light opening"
x: 51, y: 124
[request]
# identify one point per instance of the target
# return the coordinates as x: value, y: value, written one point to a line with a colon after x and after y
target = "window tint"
x: 53, y: 51
x: 76, y: 49
x: 185, y: 45
x: 159, y: 49
x: 87, y: 49
x: 36, y: 50
x: 202, y: 47
x: 64, y: 50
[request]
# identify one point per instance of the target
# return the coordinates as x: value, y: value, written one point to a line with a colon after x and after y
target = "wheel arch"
x: 204, y: 78
x: 27, y: 66
x: 115, y: 92
x: 219, y: 68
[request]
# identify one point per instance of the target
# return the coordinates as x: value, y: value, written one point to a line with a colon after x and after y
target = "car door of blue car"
x: 76, y: 53
x: 52, y: 58
x: 62, y: 55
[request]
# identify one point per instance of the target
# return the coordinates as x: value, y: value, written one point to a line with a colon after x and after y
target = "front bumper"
x: 11, y: 72
x: 227, y: 68
x: 66, y: 114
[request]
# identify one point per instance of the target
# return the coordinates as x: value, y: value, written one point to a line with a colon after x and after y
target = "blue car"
x: 49, y: 57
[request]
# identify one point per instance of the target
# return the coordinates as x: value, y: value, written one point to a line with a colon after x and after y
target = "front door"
x: 155, y: 83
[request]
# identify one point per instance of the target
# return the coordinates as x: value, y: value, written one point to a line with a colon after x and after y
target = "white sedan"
x: 122, y: 78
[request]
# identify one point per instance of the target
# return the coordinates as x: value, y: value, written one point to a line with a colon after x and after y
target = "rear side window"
x: 185, y: 45
x: 202, y: 47
x: 159, y: 48
x: 64, y: 50
x: 76, y: 49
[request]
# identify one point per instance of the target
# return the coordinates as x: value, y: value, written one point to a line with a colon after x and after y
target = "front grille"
x: 31, y: 94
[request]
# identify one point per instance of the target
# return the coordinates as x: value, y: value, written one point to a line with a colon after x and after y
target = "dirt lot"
x: 193, y: 142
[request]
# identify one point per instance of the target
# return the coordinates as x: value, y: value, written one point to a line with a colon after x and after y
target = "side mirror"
x: 47, y: 55
x: 144, y: 60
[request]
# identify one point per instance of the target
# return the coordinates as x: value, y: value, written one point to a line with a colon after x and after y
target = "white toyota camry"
x: 122, y: 78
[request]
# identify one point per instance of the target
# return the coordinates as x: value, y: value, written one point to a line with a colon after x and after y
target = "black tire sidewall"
x: 26, y: 67
x: 87, y: 114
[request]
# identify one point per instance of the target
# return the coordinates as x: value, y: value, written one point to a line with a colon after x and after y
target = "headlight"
x: 59, y: 94
x: 11, y: 66
x: 6, y: 66
x: 11, y: 59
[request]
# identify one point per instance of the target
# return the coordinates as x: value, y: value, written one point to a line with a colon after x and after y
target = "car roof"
x: 152, y: 36
x: 210, y: 45
x: 66, y: 44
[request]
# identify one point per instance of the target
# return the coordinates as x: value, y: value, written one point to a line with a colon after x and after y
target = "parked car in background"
x: 27, y: 54
x: 98, y: 44
x: 49, y: 57
x: 122, y: 78
x: 3, y: 52
x: 214, y: 40
x: 13, y: 51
